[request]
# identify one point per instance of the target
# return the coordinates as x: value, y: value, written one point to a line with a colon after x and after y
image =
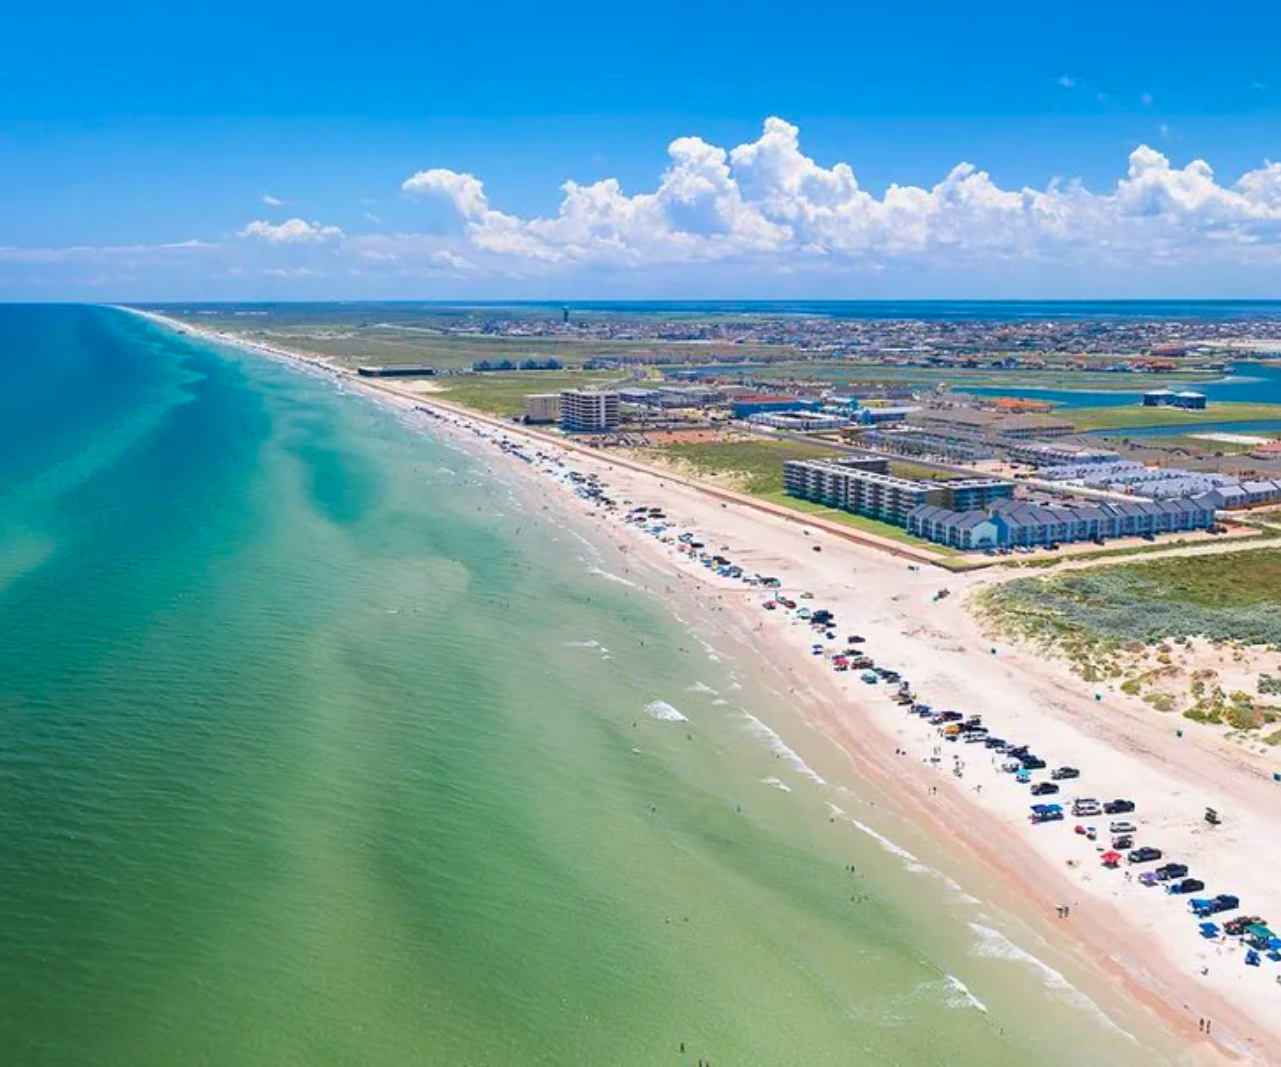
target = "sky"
x: 852, y: 150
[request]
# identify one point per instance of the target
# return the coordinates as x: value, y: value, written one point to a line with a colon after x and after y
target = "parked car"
x: 1147, y: 854
x: 1187, y: 885
x: 1172, y: 870
x: 1086, y: 806
x: 1044, y: 789
x: 1223, y: 902
x: 1121, y: 828
x: 997, y: 743
x: 1062, y: 774
x: 1125, y: 841
x: 1033, y: 763
x: 1118, y: 807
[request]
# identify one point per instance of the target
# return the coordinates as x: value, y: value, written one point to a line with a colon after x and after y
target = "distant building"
x: 542, y: 407
x: 799, y: 421
x: 864, y: 487
x: 882, y: 415
x: 588, y: 411
x: 975, y: 421
x: 397, y: 370
x: 763, y: 404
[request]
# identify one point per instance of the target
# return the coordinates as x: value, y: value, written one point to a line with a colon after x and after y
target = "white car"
x: 1121, y: 828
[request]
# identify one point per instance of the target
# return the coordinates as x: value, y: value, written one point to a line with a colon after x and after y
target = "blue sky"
x: 423, y: 153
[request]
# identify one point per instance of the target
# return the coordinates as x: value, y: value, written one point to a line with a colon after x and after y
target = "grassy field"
x: 859, y: 522
x: 1231, y: 596
x: 755, y: 466
x: 504, y: 394
x: 1132, y: 416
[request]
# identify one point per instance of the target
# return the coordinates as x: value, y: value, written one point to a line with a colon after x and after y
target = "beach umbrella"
x: 1110, y: 858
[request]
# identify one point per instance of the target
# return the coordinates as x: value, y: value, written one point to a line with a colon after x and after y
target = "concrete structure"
x: 799, y: 421
x: 864, y: 487
x: 1016, y: 523
x: 1189, y: 401
x: 542, y: 407
x: 588, y: 411
x: 397, y: 370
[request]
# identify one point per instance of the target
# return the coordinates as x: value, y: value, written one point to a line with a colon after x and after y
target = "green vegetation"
x: 1232, y: 596
x: 918, y: 472
x: 504, y: 394
x: 858, y: 522
x: 754, y: 466
x: 1132, y: 416
x: 1103, y: 619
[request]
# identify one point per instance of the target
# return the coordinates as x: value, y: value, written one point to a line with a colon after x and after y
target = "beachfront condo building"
x: 588, y: 411
x: 542, y: 407
x: 864, y: 486
x: 1015, y: 523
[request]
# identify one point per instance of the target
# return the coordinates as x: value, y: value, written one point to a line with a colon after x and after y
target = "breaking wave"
x: 664, y: 712
x: 779, y: 747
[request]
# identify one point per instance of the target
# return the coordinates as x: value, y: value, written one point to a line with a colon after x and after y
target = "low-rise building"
x: 799, y: 421
x: 979, y: 421
x: 588, y: 411
x: 760, y: 404
x: 1017, y: 523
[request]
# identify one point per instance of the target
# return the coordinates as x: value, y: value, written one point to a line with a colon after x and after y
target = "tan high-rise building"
x: 588, y: 411
x: 542, y: 407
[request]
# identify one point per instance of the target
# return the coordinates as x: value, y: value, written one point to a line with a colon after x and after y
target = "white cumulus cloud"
x: 294, y: 231
x: 272, y: 201
x: 768, y: 204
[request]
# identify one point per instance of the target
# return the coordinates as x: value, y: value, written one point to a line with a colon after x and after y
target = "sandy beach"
x: 1145, y: 942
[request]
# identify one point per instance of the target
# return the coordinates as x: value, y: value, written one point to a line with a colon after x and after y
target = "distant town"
x: 978, y: 436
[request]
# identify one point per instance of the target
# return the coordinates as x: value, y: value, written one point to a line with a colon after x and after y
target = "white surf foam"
x: 962, y: 997
x: 777, y: 783
x: 910, y: 862
x: 582, y: 644
x: 701, y: 687
x: 992, y: 944
x: 779, y: 747
x: 664, y: 712
x: 599, y: 572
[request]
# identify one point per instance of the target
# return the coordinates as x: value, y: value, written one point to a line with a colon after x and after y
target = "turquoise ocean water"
x: 321, y: 742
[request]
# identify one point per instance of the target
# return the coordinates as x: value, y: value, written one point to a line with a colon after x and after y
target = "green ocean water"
x: 322, y: 742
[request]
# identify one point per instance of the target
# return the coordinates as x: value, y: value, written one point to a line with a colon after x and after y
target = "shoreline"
x: 864, y: 726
